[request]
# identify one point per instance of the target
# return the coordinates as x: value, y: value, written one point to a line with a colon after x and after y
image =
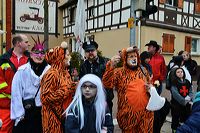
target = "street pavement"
x: 166, y: 128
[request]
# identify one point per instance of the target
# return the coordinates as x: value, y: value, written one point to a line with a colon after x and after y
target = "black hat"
x: 90, y: 45
x: 154, y: 44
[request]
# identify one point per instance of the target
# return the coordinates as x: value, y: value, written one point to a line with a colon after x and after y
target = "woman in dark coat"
x: 192, y: 124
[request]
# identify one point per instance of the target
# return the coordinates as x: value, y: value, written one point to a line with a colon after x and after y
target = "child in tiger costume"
x: 129, y: 81
x: 55, y: 89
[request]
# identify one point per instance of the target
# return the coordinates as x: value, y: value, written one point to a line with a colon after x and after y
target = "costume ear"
x: 64, y: 45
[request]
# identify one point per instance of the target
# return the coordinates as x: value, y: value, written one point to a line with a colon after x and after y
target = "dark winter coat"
x: 72, y: 123
x: 97, y: 67
x: 192, y: 124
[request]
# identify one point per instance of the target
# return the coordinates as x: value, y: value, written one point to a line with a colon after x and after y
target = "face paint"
x: 133, y: 62
x: 132, y: 59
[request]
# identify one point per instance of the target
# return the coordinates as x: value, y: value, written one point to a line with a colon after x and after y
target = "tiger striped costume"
x: 55, y: 90
x: 132, y: 115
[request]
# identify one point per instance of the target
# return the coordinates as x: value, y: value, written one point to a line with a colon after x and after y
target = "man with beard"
x: 129, y: 82
x: 25, y: 99
x: 159, y: 69
x: 9, y: 62
x: 95, y: 64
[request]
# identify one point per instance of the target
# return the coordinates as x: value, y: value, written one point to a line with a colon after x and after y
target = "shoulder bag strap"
x: 37, y: 92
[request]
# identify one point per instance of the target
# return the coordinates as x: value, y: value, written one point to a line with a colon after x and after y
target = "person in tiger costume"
x: 56, y: 89
x: 130, y: 83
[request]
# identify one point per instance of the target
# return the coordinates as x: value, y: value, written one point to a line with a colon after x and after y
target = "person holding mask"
x: 9, y: 62
x: 25, y: 98
x: 56, y: 89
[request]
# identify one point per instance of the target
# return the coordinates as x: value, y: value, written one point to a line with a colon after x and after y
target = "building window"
x: 72, y: 15
x: 168, y: 43
x: 195, y: 48
x: 91, y: 12
x: 174, y: 3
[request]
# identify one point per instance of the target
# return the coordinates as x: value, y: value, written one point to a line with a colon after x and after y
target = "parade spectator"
x: 191, y: 125
x: 95, y: 64
x: 181, y: 92
x: 145, y: 57
x: 158, y: 66
x: 56, y: 89
x: 177, y: 61
x: 88, y: 112
x: 129, y: 82
x: 9, y: 62
x: 190, y: 64
x: 25, y: 94
x: 157, y: 63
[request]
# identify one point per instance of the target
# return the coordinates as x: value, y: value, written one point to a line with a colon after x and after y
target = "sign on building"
x: 29, y: 16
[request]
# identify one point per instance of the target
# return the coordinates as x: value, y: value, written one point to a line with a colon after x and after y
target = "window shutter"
x: 168, y: 43
x: 171, y: 44
x: 165, y: 42
x: 162, y: 1
x: 197, y: 6
x: 180, y: 3
x: 188, y: 43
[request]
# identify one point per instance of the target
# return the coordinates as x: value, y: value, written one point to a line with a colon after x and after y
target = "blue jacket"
x: 192, y: 124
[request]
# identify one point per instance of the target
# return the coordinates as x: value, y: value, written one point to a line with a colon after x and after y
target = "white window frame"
x: 198, y: 46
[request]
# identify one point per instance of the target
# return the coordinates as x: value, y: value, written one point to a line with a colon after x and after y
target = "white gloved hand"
x: 1, y: 123
x: 187, y: 98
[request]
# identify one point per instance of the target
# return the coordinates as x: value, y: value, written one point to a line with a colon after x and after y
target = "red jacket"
x: 8, y: 66
x: 159, y: 69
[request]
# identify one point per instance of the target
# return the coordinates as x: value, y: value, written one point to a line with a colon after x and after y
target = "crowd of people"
x: 38, y: 93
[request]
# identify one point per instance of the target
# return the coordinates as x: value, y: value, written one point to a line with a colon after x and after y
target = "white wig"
x: 99, y: 101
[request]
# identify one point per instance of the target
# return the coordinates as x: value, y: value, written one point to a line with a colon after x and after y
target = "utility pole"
x: 46, y: 24
x: 132, y: 30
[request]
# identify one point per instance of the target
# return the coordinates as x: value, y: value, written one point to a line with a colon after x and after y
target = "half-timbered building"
x: 176, y: 25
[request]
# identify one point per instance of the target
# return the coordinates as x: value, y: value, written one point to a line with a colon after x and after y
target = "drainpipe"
x: 132, y: 30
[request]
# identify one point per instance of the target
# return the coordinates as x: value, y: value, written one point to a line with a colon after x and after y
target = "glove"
x: 187, y: 98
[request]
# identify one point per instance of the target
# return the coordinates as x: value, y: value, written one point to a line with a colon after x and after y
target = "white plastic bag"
x: 156, y: 102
